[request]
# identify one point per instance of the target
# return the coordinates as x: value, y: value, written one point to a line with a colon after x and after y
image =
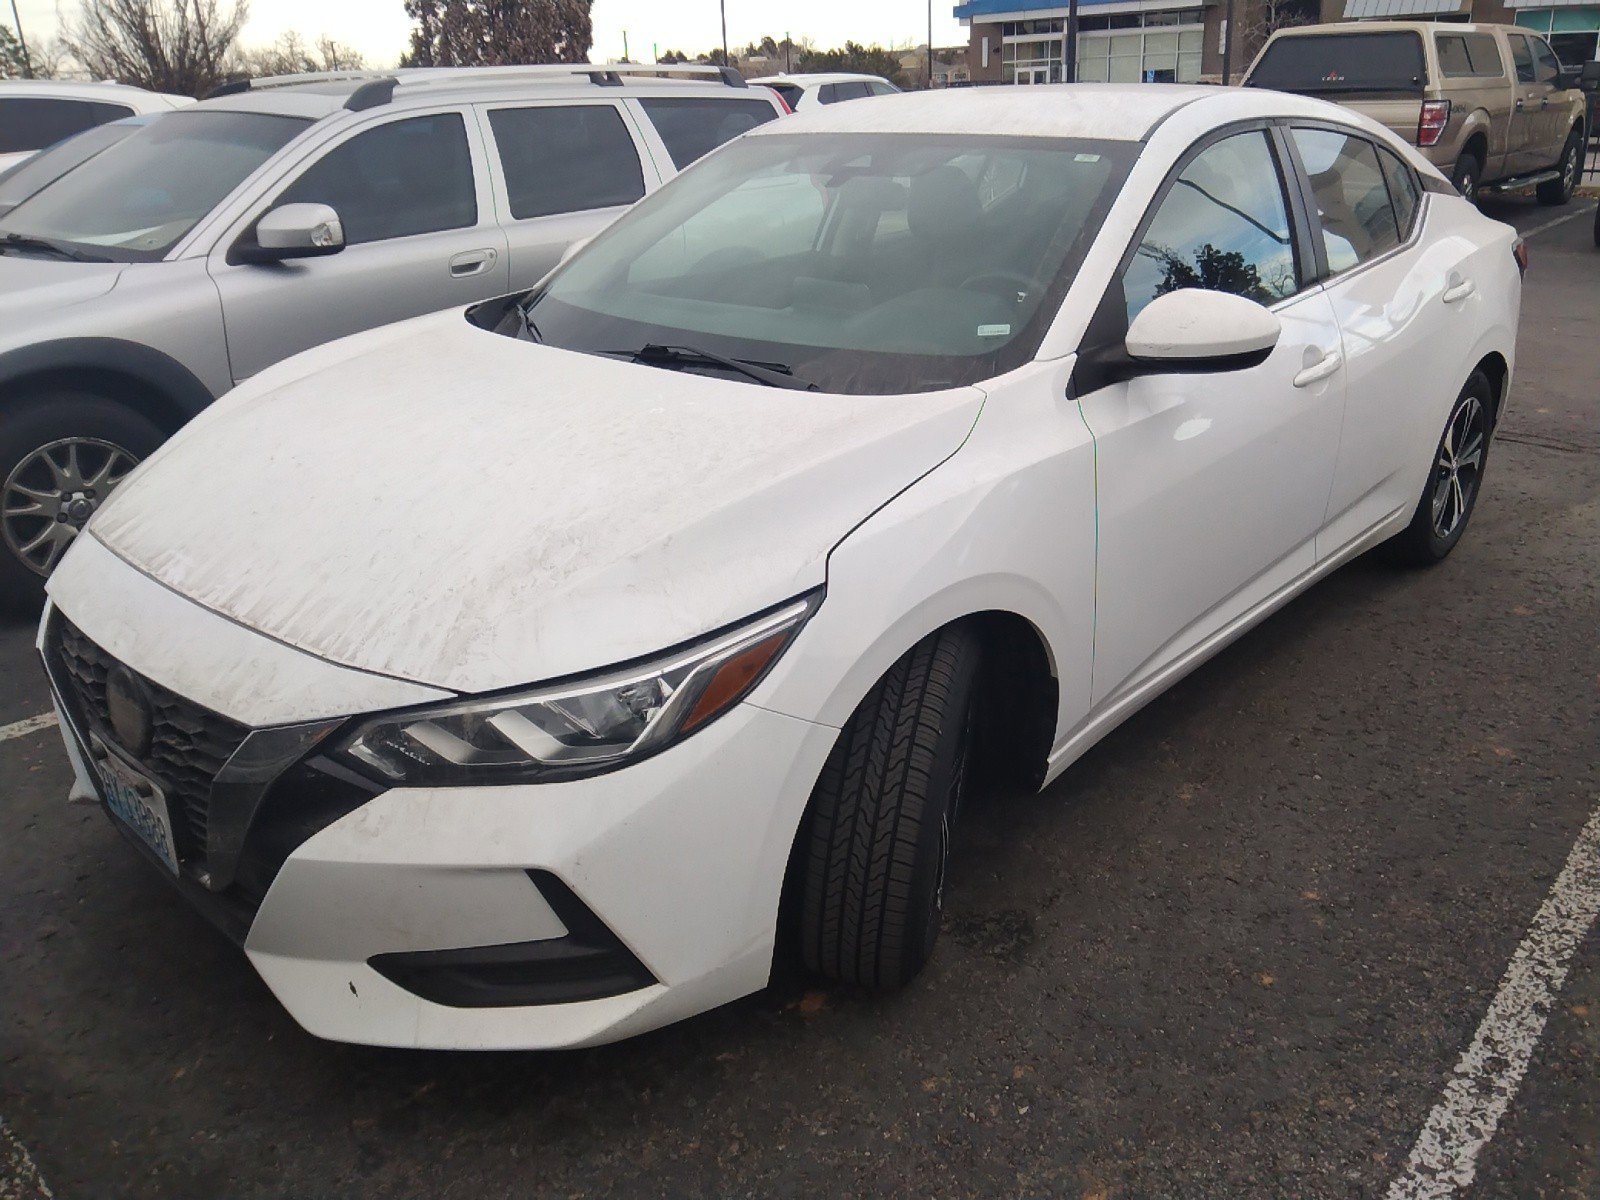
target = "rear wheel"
x: 1451, y: 492
x: 876, y: 838
x: 1467, y: 175
x: 1559, y: 190
x: 61, y: 455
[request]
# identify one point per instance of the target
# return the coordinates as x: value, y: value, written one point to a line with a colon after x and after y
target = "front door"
x: 1212, y: 487
x: 1033, y: 74
x: 1530, y: 117
x: 420, y: 235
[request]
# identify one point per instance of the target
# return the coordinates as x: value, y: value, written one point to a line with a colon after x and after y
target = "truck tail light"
x: 787, y: 110
x: 1435, y: 116
x: 1519, y: 251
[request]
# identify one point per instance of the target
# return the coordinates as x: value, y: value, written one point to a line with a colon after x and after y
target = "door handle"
x: 1457, y: 289
x: 1330, y: 362
x: 472, y: 262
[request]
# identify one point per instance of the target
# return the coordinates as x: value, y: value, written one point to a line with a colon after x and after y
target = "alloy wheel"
x: 52, y: 493
x: 1459, y: 468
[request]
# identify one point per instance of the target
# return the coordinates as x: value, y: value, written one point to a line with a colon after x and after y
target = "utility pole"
x: 930, y: 45
x: 1072, y: 41
x: 725, y: 61
x: 625, y: 57
x: 1227, y: 43
x: 788, y: 51
x: 22, y: 40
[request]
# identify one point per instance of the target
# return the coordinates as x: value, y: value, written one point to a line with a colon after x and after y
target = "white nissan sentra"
x: 522, y: 676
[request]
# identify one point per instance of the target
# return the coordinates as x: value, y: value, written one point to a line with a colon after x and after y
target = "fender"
x: 179, y: 393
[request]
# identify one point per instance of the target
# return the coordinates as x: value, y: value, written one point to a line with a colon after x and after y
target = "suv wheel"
x: 1466, y: 176
x: 1560, y: 189
x: 61, y: 455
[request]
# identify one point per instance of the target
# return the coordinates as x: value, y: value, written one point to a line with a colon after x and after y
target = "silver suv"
x: 280, y: 214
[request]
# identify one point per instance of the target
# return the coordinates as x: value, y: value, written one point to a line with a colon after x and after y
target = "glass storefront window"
x: 1573, y: 32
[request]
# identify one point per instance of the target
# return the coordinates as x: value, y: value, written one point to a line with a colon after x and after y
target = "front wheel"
x: 1451, y: 492
x: 61, y: 455
x: 1559, y: 190
x: 876, y: 838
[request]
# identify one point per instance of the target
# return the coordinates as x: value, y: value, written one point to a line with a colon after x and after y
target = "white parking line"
x: 24, y: 728
x: 1486, y: 1079
x: 19, y: 1177
x: 1551, y: 224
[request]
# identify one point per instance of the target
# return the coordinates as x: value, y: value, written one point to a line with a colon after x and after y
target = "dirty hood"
x: 454, y: 507
x: 30, y: 285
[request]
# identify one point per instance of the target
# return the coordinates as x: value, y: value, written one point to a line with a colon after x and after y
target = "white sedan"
x: 515, y: 677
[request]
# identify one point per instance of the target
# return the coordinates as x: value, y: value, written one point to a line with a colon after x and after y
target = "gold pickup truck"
x: 1489, y: 105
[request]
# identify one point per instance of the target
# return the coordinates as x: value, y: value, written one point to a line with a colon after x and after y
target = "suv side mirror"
x: 297, y: 231
x: 1589, y: 76
x: 1193, y: 329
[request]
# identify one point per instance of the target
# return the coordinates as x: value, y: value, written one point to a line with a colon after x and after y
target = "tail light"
x: 1519, y: 251
x: 787, y: 111
x: 1435, y: 116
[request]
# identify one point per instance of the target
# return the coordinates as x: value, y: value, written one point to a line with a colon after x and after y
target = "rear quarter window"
x: 32, y: 123
x: 692, y: 127
x: 1331, y: 63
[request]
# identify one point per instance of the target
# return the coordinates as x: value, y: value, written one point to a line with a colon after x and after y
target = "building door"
x: 1033, y: 74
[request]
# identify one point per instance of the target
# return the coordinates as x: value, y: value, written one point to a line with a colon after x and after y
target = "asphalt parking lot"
x: 1237, y: 951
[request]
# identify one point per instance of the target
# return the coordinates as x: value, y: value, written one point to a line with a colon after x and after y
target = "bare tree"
x: 1265, y: 17
x: 470, y: 33
x: 180, y: 46
x: 290, y: 55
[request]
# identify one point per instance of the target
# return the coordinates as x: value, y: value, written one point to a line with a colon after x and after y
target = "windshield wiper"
x: 21, y: 241
x: 771, y: 374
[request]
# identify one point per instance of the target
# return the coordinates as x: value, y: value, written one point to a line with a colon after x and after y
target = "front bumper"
x: 663, y: 878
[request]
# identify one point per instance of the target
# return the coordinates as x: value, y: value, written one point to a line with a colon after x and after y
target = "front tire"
x: 876, y: 838
x: 1558, y: 191
x: 61, y: 455
x: 1451, y: 493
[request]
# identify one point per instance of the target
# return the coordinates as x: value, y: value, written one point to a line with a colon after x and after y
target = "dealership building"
x: 1181, y: 41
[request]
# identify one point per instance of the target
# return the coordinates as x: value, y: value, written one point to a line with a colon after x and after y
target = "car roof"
x: 322, y: 95
x: 1402, y: 26
x: 818, y: 78
x: 88, y: 89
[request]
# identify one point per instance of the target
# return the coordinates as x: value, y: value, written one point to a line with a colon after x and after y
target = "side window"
x: 561, y: 160
x: 1546, y: 67
x: 853, y: 91
x: 1404, y: 190
x: 1358, y: 221
x: 1453, y: 58
x: 398, y: 180
x: 30, y: 123
x: 1522, y: 56
x: 692, y: 127
x: 828, y: 93
x: 884, y: 89
x: 1223, y: 225
x: 1485, y: 55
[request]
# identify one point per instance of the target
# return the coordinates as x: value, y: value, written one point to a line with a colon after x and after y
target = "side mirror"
x: 1193, y: 329
x: 1589, y: 76
x: 297, y: 231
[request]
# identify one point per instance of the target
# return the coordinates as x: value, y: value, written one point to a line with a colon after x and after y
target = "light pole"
x: 22, y: 40
x: 1227, y: 42
x: 930, y: 45
x: 725, y: 61
x: 1072, y: 41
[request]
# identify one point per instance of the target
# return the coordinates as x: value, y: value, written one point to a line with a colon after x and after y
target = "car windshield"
x: 1342, y: 62
x: 135, y: 200
x: 856, y: 263
x: 50, y: 164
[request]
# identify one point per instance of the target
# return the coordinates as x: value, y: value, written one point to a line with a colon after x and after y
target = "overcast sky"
x: 379, y: 28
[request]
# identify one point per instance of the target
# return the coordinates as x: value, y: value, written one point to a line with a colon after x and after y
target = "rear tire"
x: 1467, y: 175
x: 38, y: 440
x: 876, y: 837
x: 1454, y: 481
x: 1559, y: 191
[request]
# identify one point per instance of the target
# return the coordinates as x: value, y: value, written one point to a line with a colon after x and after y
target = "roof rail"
x: 378, y: 87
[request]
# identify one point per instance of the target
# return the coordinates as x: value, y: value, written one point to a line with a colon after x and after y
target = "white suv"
x: 35, y: 113
x: 802, y: 93
x: 226, y: 236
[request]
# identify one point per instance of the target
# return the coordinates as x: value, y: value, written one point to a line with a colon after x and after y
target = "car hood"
x: 29, y: 285
x: 454, y: 507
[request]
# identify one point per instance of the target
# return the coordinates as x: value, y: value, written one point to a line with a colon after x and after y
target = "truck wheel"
x: 872, y: 851
x: 1467, y: 174
x: 1559, y: 190
x: 61, y: 455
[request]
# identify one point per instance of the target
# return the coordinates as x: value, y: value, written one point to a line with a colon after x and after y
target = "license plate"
x: 138, y: 802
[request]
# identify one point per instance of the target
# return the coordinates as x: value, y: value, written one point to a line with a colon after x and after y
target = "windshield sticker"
x: 994, y: 331
x: 1085, y: 158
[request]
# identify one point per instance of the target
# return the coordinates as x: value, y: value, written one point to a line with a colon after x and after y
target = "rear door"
x: 563, y: 170
x: 1403, y: 309
x: 1529, y: 121
x: 412, y: 193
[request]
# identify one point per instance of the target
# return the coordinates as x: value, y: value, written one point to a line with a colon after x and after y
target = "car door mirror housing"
x: 1589, y: 76
x: 1193, y: 329
x: 297, y: 231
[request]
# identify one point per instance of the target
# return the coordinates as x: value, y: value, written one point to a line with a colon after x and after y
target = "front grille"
x: 188, y: 746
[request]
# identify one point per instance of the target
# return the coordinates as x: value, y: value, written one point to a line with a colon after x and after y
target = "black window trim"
x: 1108, y: 327
x: 1308, y: 201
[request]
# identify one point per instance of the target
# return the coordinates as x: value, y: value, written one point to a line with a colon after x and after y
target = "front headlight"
x: 581, y: 728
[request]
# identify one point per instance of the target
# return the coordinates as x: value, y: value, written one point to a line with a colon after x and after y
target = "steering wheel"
x: 1016, y: 281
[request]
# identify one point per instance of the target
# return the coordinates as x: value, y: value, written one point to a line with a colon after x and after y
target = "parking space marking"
x: 24, y: 728
x: 19, y: 1175
x: 1551, y: 224
x: 1486, y: 1079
